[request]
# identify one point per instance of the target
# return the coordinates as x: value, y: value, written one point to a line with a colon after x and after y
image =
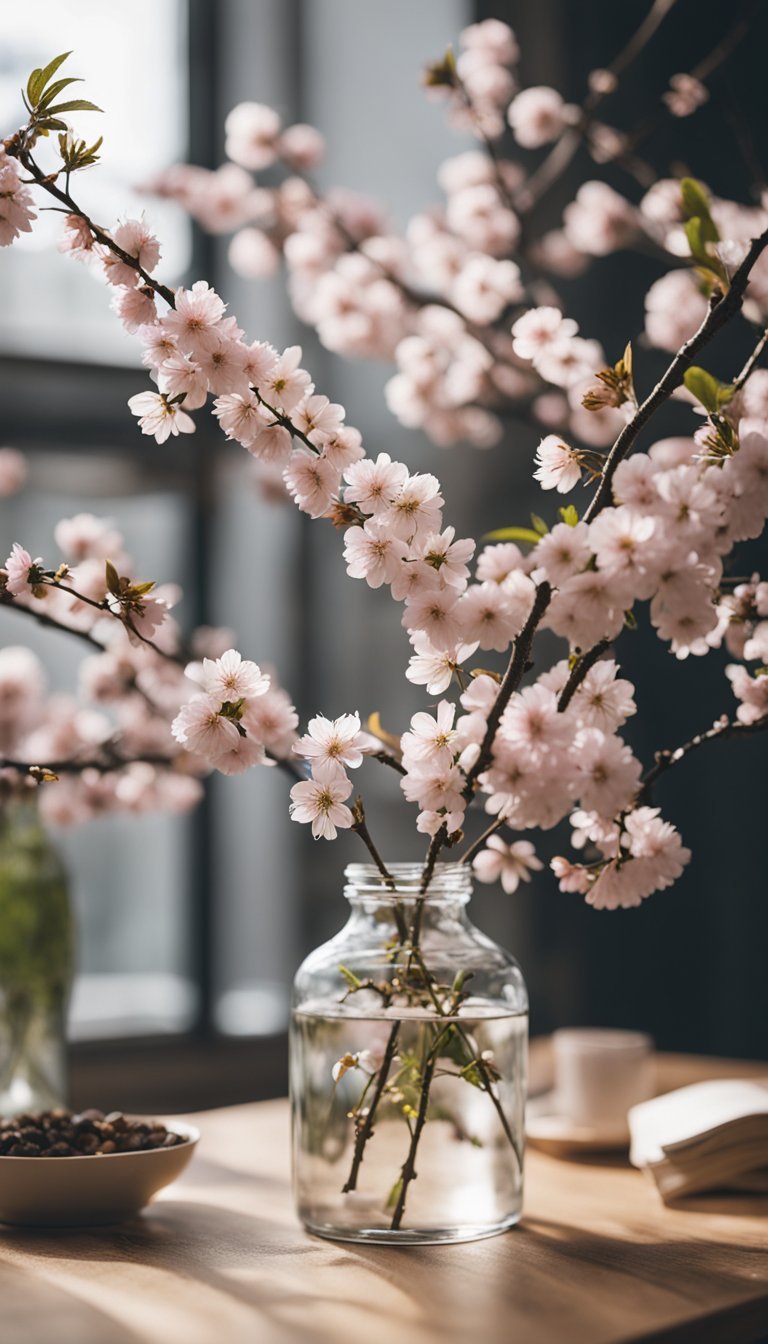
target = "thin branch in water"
x: 365, y: 1130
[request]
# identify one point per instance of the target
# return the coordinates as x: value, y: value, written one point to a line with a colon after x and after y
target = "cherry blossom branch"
x: 722, y: 307
x: 477, y: 845
x: 48, y: 183
x: 700, y: 73
x: 51, y: 622
x: 408, y: 1170
x: 579, y: 672
x: 742, y: 377
x: 359, y: 825
x: 364, y: 1132
x: 511, y: 680
x: 387, y: 759
x: 103, y: 606
x: 723, y: 727
x: 104, y: 765
x: 564, y: 150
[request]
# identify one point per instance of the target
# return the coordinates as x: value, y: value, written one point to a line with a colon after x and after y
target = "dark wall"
x: 690, y: 965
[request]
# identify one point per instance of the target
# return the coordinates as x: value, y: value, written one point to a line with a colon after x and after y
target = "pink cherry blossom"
x: 230, y: 677
x: 416, y: 511
x: 17, y: 568
x: 563, y: 552
x: 312, y: 481
x: 435, y: 668
x: 13, y: 471
x: 509, y: 863
x: 285, y: 384
x: 604, y: 700
x: 200, y: 727
x: 85, y: 537
x: 272, y: 719
x: 608, y: 772
x: 372, y: 553
x: 436, y: 614
x: 321, y: 802
x: 160, y: 417
x: 558, y: 466
x: 537, y: 116
x: 331, y: 744
x: 539, y: 329
x: 194, y: 319
x: 431, y: 741
x: 252, y: 131
x: 374, y: 486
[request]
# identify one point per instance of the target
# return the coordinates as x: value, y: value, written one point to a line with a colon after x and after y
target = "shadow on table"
x: 29, y: 1306
x: 325, y: 1293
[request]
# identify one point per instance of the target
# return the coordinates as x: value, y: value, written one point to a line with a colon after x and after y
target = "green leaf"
x: 34, y: 86
x: 76, y: 105
x: 513, y: 534
x: 113, y: 579
x: 55, y: 89
x: 630, y: 619
x: 50, y: 124
x: 350, y: 977
x: 394, y: 1194
x: 41, y: 77
x: 696, y: 201
x: 695, y: 233
x: 704, y: 387
x: 569, y: 515
x: 539, y: 526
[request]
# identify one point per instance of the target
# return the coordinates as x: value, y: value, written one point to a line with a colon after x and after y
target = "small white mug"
x: 600, y: 1074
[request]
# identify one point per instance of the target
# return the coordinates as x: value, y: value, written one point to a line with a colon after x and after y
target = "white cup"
x: 600, y: 1074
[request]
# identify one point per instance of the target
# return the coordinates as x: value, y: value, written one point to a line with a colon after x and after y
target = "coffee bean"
x: 60, y: 1133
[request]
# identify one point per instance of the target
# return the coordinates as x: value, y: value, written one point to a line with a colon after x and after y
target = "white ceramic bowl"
x: 84, y: 1191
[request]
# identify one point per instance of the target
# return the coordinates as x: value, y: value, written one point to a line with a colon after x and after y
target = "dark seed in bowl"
x: 90, y: 1133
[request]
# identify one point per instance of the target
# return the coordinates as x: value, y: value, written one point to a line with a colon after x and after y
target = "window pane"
x: 134, y: 66
x: 130, y: 874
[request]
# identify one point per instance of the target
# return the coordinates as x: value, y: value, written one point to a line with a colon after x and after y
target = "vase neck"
x: 448, y: 891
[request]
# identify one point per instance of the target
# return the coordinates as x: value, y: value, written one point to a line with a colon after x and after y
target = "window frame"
x: 84, y: 407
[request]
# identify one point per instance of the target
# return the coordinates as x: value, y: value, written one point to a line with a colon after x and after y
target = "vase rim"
x: 449, y: 882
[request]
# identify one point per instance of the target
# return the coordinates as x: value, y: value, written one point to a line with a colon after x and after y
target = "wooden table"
x: 220, y: 1259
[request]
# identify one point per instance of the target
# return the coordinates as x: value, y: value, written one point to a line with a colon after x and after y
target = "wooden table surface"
x: 220, y: 1259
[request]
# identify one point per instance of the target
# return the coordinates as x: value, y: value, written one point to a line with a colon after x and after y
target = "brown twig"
x: 365, y: 1130
x: 579, y: 672
x: 722, y: 307
x: 48, y: 183
x: 477, y: 845
x: 754, y: 358
x: 511, y: 680
x: 666, y: 759
x: 564, y: 150
x: 360, y: 826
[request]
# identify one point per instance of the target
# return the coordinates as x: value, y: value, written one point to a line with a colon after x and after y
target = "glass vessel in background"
x: 36, y: 962
x: 409, y: 1037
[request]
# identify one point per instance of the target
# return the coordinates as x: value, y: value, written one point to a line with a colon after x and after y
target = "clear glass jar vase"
x: 409, y: 1038
x: 36, y: 963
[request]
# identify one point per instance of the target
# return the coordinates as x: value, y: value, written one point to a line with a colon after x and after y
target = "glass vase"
x: 409, y: 1037
x: 36, y: 963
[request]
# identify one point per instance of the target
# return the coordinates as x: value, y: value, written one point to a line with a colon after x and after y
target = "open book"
x: 710, y: 1136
